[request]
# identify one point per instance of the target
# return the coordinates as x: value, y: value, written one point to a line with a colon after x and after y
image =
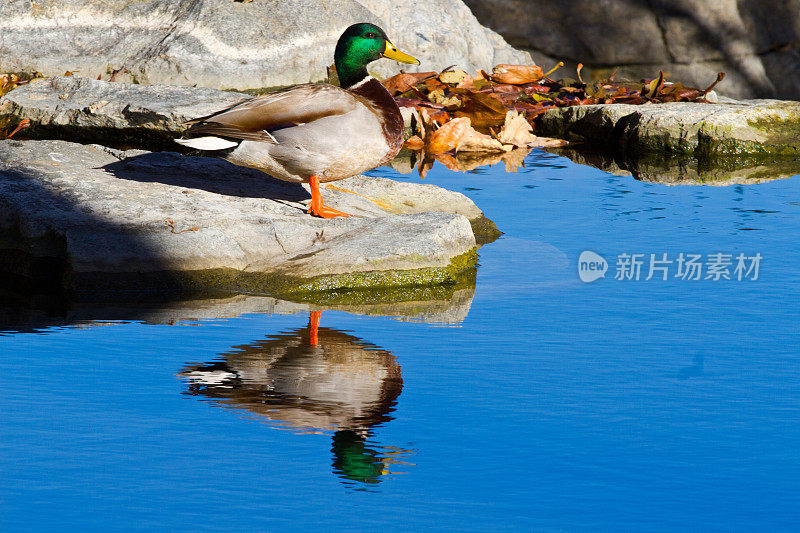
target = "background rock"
x: 232, y: 45
x: 731, y: 128
x: 92, y: 214
x: 83, y: 109
x: 757, y: 44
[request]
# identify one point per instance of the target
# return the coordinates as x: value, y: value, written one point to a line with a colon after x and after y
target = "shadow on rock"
x: 204, y: 173
x: 311, y: 380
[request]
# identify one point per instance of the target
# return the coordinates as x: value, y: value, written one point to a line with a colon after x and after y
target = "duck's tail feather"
x: 207, y: 143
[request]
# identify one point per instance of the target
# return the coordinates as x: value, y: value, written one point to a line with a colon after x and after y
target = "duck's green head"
x: 360, y: 45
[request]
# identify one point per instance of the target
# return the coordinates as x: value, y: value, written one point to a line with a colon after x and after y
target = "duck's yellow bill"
x: 393, y: 53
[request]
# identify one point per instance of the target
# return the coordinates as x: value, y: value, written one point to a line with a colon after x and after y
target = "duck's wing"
x: 253, y: 119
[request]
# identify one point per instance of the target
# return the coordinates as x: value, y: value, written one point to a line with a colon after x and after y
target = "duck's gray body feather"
x: 314, y: 129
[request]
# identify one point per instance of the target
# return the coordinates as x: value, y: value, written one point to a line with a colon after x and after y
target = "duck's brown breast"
x: 384, y: 106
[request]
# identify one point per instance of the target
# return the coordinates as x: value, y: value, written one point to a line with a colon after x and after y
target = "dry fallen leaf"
x: 454, y: 76
x: 518, y: 132
x: 8, y: 82
x: 483, y: 109
x: 516, y: 74
x: 404, y: 81
x: 448, y: 137
x: 474, y: 141
x: 466, y: 83
x: 414, y: 142
x: 438, y: 96
x: 24, y: 123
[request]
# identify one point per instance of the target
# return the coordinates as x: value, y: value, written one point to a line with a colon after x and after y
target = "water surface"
x: 532, y: 402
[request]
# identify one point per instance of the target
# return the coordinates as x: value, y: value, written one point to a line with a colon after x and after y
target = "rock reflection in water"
x: 670, y: 169
x: 312, y: 379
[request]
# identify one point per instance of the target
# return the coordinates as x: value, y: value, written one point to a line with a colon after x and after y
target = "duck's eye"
x: 370, y: 35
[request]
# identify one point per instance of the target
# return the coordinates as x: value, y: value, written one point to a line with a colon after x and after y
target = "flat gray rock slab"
x: 728, y: 128
x: 232, y: 45
x: 110, y: 212
x: 85, y: 108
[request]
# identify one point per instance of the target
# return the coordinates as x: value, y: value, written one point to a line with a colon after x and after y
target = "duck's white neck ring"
x: 360, y: 83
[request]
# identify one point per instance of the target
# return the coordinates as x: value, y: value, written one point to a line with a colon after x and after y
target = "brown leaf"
x: 8, y: 82
x: 651, y: 89
x: 502, y: 88
x: 414, y: 142
x: 404, y: 81
x: 518, y: 132
x: 516, y: 74
x: 474, y: 141
x: 438, y: 96
x: 467, y: 83
x: 432, y: 119
x: 448, y: 137
x: 483, y: 109
x: 24, y: 123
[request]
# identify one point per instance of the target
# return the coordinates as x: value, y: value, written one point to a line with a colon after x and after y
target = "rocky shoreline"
x: 102, y: 216
x: 707, y: 131
x: 90, y: 217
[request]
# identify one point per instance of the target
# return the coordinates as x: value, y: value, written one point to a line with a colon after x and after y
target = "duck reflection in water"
x: 310, y: 380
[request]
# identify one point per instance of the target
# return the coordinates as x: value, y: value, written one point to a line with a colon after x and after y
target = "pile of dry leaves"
x: 455, y: 112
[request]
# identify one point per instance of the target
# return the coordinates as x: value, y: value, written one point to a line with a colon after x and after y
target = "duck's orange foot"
x: 316, y: 207
x: 324, y: 211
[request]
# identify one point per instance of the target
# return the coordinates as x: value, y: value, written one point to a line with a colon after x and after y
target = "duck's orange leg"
x: 316, y: 207
x: 313, y: 328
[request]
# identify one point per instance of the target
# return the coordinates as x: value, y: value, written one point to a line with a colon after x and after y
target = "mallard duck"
x: 315, y: 133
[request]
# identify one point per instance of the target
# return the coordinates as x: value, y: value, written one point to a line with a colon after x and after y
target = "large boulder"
x: 232, y: 45
x: 754, y: 43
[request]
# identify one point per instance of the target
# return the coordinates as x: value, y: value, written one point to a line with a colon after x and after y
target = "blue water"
x: 554, y: 405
